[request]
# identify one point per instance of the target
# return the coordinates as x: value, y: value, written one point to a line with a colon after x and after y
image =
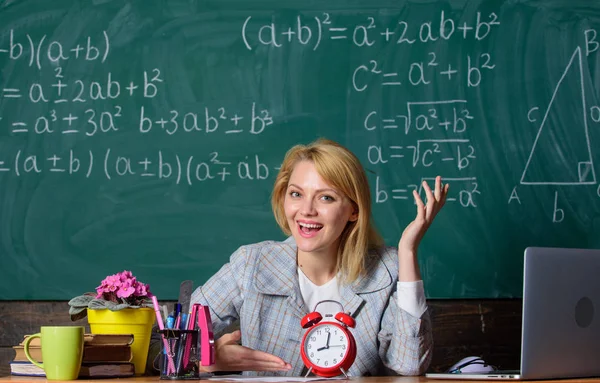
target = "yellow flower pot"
x: 138, y: 322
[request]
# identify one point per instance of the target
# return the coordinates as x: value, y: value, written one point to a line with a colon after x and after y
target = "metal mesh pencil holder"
x: 180, y: 354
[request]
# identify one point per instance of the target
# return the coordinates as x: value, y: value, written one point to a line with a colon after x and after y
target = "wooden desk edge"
x: 378, y: 379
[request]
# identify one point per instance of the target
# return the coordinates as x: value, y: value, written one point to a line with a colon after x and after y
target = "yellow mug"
x: 62, y: 351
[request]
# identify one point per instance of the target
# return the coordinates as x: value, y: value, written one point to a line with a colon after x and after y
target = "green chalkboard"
x: 146, y: 135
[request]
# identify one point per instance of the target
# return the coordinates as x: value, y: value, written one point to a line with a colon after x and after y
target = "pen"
x: 183, y: 322
x: 191, y: 325
x: 159, y: 320
x: 165, y: 312
x: 177, y: 314
x: 161, y: 326
x: 170, y: 322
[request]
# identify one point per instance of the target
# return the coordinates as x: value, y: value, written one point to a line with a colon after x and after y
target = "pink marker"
x: 161, y: 326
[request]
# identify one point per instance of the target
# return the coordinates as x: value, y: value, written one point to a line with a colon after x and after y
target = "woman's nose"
x: 308, y: 207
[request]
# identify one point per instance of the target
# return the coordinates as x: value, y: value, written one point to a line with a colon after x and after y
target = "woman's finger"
x: 254, y: 364
x: 260, y: 356
x: 263, y: 368
x: 438, y: 188
x: 229, y: 338
x: 420, y: 205
x: 444, y: 195
x: 430, y: 201
x: 244, y: 358
x: 251, y: 365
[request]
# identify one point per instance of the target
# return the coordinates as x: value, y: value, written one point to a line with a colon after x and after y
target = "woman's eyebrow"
x: 318, y: 190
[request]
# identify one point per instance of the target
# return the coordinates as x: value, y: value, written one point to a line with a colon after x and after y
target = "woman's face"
x: 316, y: 213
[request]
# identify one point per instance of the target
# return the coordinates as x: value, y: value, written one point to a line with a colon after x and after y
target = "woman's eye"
x: 294, y: 194
x: 327, y: 198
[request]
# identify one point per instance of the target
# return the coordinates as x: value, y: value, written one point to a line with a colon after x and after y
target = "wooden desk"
x: 383, y: 379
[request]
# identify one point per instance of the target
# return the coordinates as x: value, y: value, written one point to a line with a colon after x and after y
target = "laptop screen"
x: 561, y: 313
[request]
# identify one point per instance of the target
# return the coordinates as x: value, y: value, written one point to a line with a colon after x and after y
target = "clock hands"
x: 326, y: 343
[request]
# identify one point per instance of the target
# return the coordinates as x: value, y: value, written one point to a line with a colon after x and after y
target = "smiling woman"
x: 321, y: 199
x: 316, y: 215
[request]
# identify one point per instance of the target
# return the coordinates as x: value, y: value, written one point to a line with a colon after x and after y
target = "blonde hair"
x: 341, y: 169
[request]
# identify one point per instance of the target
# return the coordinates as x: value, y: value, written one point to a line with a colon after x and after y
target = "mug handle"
x: 26, y: 347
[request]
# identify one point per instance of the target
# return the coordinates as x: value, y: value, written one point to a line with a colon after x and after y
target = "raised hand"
x: 414, y: 232
x: 231, y: 356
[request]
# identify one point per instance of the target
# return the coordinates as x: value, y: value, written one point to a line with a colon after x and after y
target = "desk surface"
x: 382, y: 379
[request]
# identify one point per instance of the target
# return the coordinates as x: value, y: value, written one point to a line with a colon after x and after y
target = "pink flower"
x: 113, y: 282
x: 125, y: 292
x: 142, y: 290
x: 126, y: 275
x: 123, y: 287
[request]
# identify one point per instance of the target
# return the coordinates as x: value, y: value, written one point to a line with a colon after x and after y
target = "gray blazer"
x: 259, y: 286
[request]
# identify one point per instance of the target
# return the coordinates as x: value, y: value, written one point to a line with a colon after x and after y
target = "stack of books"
x: 104, y: 355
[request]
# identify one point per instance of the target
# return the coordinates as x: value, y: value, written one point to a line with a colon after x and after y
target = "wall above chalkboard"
x: 146, y: 135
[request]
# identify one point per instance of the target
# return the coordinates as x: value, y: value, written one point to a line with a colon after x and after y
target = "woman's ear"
x: 354, y: 216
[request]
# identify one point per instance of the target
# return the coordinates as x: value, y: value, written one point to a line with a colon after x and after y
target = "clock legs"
x: 344, y: 372
x: 308, y: 372
x: 341, y: 369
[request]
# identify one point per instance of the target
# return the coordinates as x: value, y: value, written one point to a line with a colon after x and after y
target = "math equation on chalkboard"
x: 413, y: 93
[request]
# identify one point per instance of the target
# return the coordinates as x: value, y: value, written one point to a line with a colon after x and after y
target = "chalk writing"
x: 53, y: 52
x: 425, y: 134
x: 112, y: 163
x: 311, y: 32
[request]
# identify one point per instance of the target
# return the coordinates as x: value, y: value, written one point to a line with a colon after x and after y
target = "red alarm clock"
x: 328, y: 348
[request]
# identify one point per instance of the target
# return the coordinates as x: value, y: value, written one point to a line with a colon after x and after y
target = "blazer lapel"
x: 376, y: 277
x: 277, y: 274
x: 351, y: 301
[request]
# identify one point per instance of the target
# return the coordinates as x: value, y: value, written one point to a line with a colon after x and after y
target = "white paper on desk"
x: 274, y: 379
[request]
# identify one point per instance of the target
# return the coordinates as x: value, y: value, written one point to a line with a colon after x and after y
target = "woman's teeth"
x: 308, y: 227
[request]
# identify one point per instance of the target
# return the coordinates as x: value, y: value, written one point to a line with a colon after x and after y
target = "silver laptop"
x: 561, y: 317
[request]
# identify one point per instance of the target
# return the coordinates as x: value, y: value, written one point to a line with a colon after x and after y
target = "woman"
x: 321, y: 198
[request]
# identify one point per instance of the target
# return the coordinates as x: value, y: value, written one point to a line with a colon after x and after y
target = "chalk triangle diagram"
x: 561, y: 153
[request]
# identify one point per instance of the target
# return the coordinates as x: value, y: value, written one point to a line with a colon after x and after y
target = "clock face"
x: 326, y: 345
